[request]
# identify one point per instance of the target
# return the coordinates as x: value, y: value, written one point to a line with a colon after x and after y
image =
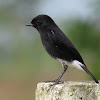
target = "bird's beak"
x: 29, y: 25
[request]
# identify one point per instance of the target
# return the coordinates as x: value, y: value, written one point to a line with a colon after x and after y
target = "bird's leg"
x: 60, y: 76
x: 58, y: 81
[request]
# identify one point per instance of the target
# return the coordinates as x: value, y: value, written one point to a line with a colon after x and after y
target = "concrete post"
x: 70, y: 90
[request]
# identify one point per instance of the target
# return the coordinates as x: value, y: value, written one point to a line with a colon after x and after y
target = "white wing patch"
x: 74, y: 63
x: 53, y: 33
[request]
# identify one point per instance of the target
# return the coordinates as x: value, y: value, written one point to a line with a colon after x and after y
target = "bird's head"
x: 41, y: 22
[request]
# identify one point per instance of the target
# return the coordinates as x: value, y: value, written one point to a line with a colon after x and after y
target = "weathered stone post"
x: 70, y: 90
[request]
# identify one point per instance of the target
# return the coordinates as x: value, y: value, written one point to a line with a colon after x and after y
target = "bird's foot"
x: 55, y: 81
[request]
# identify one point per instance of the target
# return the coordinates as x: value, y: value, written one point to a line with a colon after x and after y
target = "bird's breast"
x: 49, y: 44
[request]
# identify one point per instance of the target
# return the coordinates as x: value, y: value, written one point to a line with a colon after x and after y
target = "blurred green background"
x: 23, y: 60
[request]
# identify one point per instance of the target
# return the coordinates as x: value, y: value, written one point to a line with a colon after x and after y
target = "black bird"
x: 58, y: 45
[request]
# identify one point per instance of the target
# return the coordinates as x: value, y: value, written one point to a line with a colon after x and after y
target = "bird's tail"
x: 85, y: 68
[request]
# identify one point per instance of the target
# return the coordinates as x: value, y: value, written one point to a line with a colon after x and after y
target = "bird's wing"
x: 64, y: 49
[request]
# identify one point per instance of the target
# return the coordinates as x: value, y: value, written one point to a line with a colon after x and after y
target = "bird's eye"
x: 38, y: 22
